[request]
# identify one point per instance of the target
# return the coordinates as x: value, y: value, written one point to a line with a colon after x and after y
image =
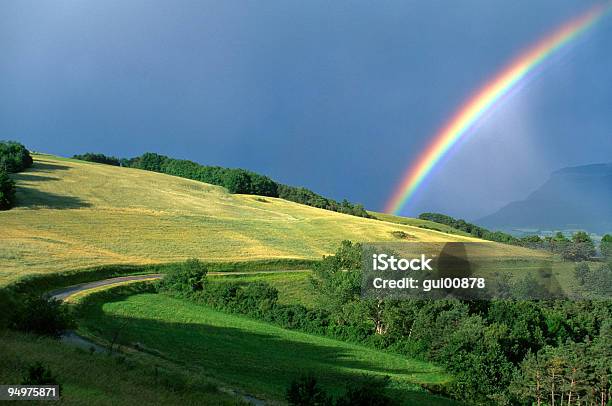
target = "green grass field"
x: 72, y: 214
x: 256, y: 356
x: 97, y: 379
x: 293, y: 287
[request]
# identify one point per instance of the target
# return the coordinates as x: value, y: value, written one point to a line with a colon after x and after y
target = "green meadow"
x: 255, y: 356
x: 97, y: 379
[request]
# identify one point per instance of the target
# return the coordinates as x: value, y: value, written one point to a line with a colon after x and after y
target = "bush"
x: 14, y: 157
x: 400, y: 235
x: 185, y: 279
x: 599, y: 281
x: 7, y: 191
x: 38, y: 374
x: 99, y: 158
x: 41, y: 316
x: 581, y: 270
x: 255, y: 299
x: 8, y: 304
x: 305, y: 391
x: 578, y: 251
x: 370, y: 391
x: 365, y: 391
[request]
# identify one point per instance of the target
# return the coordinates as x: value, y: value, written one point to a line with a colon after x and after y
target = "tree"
x: 38, y: 315
x: 14, y: 157
x: 7, y: 191
x: 606, y: 246
x: 337, y: 278
x: 580, y: 248
x: 599, y: 281
x: 150, y: 161
x: 238, y: 182
x: 581, y: 270
x: 531, y: 241
x: 186, y: 278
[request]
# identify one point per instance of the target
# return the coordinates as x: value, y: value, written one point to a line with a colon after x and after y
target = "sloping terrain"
x: 72, y: 214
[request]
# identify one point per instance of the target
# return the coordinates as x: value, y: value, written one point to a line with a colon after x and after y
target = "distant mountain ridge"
x: 578, y: 197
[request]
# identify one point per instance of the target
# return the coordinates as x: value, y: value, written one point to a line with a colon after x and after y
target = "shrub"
x: 14, y: 157
x: 38, y: 374
x: 7, y: 191
x: 400, y: 235
x: 8, y: 303
x: 38, y: 315
x: 581, y: 270
x: 599, y: 281
x: 369, y: 391
x: 255, y: 299
x: 185, y: 279
x: 305, y: 391
x: 577, y: 251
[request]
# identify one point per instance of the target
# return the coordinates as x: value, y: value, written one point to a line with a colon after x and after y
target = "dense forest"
x: 233, y: 179
x: 500, y: 352
x: 14, y: 157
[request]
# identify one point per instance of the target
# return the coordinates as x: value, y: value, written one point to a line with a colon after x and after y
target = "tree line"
x: 98, y: 158
x: 14, y: 157
x: 233, y: 179
x: 579, y: 247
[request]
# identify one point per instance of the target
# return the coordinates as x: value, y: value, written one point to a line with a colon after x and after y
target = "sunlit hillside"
x: 72, y: 214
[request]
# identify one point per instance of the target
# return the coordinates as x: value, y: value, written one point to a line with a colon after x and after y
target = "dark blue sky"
x: 335, y: 96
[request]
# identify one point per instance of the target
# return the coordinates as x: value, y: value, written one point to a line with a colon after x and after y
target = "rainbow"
x: 484, y: 100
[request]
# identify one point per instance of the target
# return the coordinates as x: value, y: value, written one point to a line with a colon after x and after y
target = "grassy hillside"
x: 127, y: 381
x: 72, y: 214
x: 237, y: 349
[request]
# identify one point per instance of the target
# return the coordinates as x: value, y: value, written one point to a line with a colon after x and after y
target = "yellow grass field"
x: 72, y: 214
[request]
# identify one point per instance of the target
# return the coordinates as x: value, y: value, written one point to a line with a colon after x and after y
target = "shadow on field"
x: 24, y: 177
x: 38, y: 166
x: 36, y: 199
x: 256, y: 361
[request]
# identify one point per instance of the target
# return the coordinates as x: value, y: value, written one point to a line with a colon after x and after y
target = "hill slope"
x: 573, y: 198
x: 72, y: 214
